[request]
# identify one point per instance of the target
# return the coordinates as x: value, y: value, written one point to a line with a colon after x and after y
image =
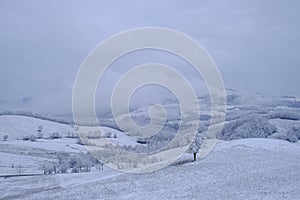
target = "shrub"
x: 55, y: 135
x: 5, y: 137
x: 26, y: 137
x: 32, y: 138
x: 108, y: 135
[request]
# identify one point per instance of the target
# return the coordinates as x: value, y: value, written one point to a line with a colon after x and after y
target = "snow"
x: 81, y: 179
x: 238, y: 169
x: 258, y: 143
x: 122, y: 138
x: 62, y: 144
x: 16, y: 127
x: 9, y: 163
x: 283, y: 125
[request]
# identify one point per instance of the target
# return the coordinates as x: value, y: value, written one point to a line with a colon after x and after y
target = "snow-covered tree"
x: 252, y: 126
x: 82, y: 162
x: 86, y: 160
x: 75, y: 164
x: 293, y: 134
x: 195, y: 146
x: 63, y: 159
x: 49, y: 167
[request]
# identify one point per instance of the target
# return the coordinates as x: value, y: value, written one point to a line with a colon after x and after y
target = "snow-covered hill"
x: 252, y: 168
x: 17, y: 126
x: 239, y: 169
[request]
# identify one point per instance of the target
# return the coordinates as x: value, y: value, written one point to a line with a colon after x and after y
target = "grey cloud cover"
x: 255, y: 43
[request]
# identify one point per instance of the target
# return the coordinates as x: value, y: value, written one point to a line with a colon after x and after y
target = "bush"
x: 108, y: 135
x: 5, y: 137
x: 55, y: 135
x: 26, y: 137
x: 32, y: 138
x: 142, y: 141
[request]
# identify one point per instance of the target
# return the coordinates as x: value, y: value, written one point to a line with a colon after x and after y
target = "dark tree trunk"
x: 195, y: 156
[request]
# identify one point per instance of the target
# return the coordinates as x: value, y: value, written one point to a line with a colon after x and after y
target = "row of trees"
x: 81, y: 162
x: 39, y: 135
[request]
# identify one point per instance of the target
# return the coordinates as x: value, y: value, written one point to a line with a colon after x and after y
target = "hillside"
x: 17, y: 126
x: 239, y: 169
x: 257, y: 158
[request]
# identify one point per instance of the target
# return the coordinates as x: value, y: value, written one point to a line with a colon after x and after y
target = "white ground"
x: 240, y: 169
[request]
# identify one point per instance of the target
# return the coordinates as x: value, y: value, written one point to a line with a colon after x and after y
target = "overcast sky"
x: 255, y: 43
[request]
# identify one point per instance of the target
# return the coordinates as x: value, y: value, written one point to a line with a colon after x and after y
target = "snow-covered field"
x: 239, y: 169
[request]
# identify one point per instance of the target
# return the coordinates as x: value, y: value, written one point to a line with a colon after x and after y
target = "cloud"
x: 254, y: 43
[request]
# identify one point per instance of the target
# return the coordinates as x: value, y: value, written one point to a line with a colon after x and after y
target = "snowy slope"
x: 115, y: 136
x: 30, y: 155
x: 16, y: 127
x: 239, y: 169
x: 62, y: 144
